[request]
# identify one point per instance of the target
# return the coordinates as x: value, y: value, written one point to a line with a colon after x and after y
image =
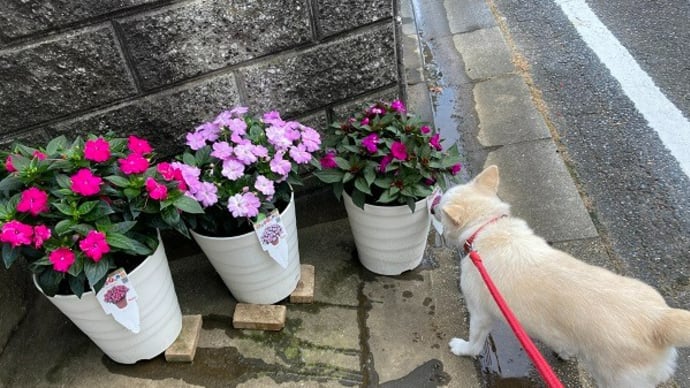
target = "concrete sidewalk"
x: 364, y: 329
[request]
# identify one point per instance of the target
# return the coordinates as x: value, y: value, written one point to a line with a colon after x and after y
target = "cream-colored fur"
x: 619, y: 328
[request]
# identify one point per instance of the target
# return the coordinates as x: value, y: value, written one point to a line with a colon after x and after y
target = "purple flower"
x: 265, y: 185
x: 279, y: 165
x: 455, y: 169
x: 196, y: 140
x: 398, y: 106
x: 232, y: 169
x: 206, y: 193
x: 311, y: 139
x: 425, y: 129
x: 190, y: 174
x: 299, y: 154
x: 278, y: 137
x: 209, y: 131
x: 365, y: 121
x: 385, y: 162
x: 223, y: 119
x: 399, y: 151
x: 239, y: 111
x: 222, y: 150
x: 238, y: 128
x: 370, y: 142
x: 245, y: 153
x: 260, y: 151
x: 273, y: 118
x: 244, y: 205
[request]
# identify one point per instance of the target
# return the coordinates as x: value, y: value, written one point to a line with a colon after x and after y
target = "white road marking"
x: 667, y: 120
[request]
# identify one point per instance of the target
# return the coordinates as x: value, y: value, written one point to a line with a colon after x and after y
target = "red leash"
x: 540, y: 363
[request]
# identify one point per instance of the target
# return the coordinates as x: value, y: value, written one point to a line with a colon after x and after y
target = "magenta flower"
x: 39, y: 155
x: 424, y: 129
x: 16, y: 233
x: 97, y: 150
x: 138, y: 145
x: 157, y: 191
x: 133, y: 164
x: 62, y: 258
x: 85, y: 183
x: 398, y: 106
x: 41, y: 234
x: 455, y: 169
x: 370, y: 143
x: 94, y: 245
x: 166, y: 170
x: 33, y: 201
x: 328, y: 160
x: 365, y: 121
x: 436, y: 142
x: 8, y: 164
x: 265, y: 185
x: 385, y: 162
x: 399, y: 151
x: 279, y: 165
x: 244, y: 205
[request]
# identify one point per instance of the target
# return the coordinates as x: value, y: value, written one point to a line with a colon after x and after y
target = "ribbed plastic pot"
x: 390, y: 239
x: 159, y: 311
x: 248, y: 271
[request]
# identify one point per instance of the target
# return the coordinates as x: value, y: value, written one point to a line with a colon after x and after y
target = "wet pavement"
x: 364, y: 329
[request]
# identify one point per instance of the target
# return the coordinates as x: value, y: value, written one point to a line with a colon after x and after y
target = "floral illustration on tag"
x: 117, y: 296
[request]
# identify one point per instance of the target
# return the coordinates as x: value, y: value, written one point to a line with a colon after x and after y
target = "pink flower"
x: 370, y: 142
x: 41, y: 234
x: 222, y: 150
x: 62, y: 258
x: 196, y: 140
x: 157, y: 191
x: 97, y: 150
x: 424, y: 129
x: 16, y: 233
x: 94, y: 245
x: 85, y: 183
x: 398, y: 106
x: 133, y: 164
x: 232, y: 169
x: 139, y: 146
x: 311, y: 139
x: 279, y: 165
x: 209, y: 131
x: 385, y: 162
x: 299, y: 154
x: 206, y: 193
x: 39, y: 155
x: 436, y: 142
x: 33, y: 201
x: 455, y: 169
x: 328, y: 160
x: 166, y: 170
x: 265, y: 185
x: 8, y: 164
x: 365, y: 121
x: 244, y: 205
x: 399, y: 151
x: 245, y: 153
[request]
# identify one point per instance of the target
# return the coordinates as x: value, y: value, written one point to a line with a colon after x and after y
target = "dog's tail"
x: 674, y: 328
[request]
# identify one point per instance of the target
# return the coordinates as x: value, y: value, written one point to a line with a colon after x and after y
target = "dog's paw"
x: 460, y: 347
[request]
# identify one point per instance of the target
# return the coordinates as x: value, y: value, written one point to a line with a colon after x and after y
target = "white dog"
x: 620, y: 329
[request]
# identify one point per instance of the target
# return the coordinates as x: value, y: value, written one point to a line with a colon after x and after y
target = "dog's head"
x: 463, y: 206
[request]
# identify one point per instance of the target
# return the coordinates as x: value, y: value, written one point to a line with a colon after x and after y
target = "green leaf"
x: 9, y: 254
x: 120, y: 227
x: 171, y: 216
x: 10, y: 183
x: 63, y: 181
x: 369, y: 175
x: 411, y: 203
x: 117, y: 180
x: 56, y: 144
x: 63, y: 227
x: 387, y: 197
x: 189, y: 159
x: 76, y: 284
x: 77, y: 267
x: 342, y: 163
x: 20, y: 162
x: 123, y: 242
x: 49, y: 281
x: 131, y: 193
x: 348, y: 177
x: 188, y: 205
x: 330, y: 175
x: 383, y: 182
x: 361, y: 185
x: 86, y: 207
x: 95, y: 271
x: 358, y: 198
x: 64, y: 208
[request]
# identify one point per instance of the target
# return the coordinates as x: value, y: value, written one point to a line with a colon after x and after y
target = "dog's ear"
x: 454, y: 213
x: 488, y: 179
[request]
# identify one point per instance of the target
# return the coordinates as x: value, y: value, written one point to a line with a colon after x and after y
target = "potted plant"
x: 386, y: 163
x: 241, y: 169
x: 75, y: 211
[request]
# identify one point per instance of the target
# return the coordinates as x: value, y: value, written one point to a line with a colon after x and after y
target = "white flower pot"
x: 390, y: 239
x: 248, y: 271
x: 159, y: 311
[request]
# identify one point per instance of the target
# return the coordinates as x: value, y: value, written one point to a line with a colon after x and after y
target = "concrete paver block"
x: 304, y: 293
x: 184, y: 347
x: 259, y: 316
x: 485, y: 53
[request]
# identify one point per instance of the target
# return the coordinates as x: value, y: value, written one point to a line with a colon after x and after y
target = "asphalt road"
x: 637, y: 193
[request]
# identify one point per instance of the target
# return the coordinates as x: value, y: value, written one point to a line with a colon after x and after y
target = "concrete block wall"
x: 158, y: 68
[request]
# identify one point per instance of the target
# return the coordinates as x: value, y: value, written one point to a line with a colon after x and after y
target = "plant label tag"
x: 118, y: 298
x: 432, y: 202
x: 273, y: 237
